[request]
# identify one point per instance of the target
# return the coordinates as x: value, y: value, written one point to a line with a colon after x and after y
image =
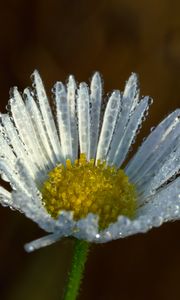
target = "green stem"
x: 77, y: 268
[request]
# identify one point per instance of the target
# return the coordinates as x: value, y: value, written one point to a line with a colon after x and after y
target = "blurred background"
x: 79, y: 37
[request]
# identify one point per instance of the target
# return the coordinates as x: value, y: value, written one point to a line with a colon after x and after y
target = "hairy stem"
x: 77, y: 269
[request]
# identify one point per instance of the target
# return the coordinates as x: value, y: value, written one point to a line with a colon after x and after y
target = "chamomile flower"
x: 65, y: 168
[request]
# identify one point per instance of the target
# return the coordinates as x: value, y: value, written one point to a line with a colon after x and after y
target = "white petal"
x: 95, y: 110
x: 167, y: 167
x: 47, y: 116
x: 43, y: 242
x: 165, y: 203
x: 63, y: 119
x: 83, y: 119
x: 108, y: 126
x: 6, y: 152
x: 28, y: 183
x: 27, y: 205
x: 25, y: 128
x: 141, y: 158
x: 5, y: 198
x: 87, y: 228
x: 130, y: 132
x: 151, y: 167
x: 18, y: 147
x: 71, y: 99
x: 130, y: 97
x: 38, y: 125
x: 129, y: 103
x: 65, y: 223
x: 10, y: 173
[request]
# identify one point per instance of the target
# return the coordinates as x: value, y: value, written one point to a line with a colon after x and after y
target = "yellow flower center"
x: 84, y: 187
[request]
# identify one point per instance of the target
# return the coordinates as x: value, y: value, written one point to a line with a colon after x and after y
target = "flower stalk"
x: 77, y: 268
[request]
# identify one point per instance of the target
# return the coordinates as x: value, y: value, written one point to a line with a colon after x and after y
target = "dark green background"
x: 79, y: 37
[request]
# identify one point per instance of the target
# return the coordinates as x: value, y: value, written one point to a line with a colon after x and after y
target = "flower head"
x: 66, y: 170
